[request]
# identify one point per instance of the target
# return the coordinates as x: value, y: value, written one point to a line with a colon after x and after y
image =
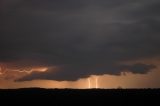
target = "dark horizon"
x: 83, y: 96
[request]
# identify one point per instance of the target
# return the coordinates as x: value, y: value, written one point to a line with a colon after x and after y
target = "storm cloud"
x: 73, y: 73
x: 80, y: 37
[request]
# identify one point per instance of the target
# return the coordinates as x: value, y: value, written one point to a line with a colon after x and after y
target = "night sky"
x: 65, y: 43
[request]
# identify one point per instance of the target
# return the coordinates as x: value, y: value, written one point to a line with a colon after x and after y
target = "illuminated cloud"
x: 80, y: 37
x: 10, y: 73
x: 34, y: 70
x: 74, y: 74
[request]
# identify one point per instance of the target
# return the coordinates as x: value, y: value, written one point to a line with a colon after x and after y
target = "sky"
x: 79, y: 43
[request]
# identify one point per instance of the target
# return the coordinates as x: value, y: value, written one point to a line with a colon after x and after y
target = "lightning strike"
x: 89, y: 83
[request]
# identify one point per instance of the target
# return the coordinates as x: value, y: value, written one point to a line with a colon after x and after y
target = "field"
x: 97, y: 96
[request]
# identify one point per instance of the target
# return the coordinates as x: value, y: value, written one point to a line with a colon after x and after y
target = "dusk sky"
x: 80, y: 43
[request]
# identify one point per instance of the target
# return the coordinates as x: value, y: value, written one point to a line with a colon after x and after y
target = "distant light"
x: 96, y: 82
x: 89, y: 83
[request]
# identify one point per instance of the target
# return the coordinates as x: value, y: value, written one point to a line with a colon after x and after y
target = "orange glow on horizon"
x: 128, y: 80
x: 125, y: 80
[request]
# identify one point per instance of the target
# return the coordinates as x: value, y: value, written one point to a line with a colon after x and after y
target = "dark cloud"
x: 138, y: 68
x: 82, y: 71
x: 81, y: 37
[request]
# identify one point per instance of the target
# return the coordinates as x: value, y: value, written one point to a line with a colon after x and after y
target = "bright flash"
x: 89, y: 83
x: 95, y: 82
x: 33, y: 70
x: 36, y: 70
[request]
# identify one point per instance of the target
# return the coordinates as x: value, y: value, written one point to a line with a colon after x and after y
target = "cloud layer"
x: 81, y: 37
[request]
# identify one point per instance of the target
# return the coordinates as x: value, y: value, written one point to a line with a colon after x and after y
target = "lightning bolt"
x: 89, y: 83
x: 96, y: 82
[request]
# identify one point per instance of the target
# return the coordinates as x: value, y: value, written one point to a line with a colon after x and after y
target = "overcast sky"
x: 75, y: 39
